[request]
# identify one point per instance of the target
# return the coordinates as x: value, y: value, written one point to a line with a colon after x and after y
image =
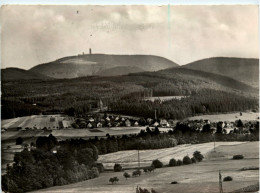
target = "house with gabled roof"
x: 91, y: 119
x: 128, y: 123
x: 99, y: 125
x: 164, y: 123
x: 156, y: 124
x: 117, y: 124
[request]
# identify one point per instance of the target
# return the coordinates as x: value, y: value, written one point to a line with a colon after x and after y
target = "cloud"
x: 36, y: 34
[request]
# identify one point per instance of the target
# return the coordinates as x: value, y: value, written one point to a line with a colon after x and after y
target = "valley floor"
x: 200, y: 177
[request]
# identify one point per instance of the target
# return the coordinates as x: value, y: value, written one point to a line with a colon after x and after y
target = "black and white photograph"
x: 130, y: 98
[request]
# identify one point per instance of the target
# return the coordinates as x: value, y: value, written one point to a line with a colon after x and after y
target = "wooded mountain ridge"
x: 241, y: 69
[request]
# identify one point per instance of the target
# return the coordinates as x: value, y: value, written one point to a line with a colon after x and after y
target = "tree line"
x: 43, y: 167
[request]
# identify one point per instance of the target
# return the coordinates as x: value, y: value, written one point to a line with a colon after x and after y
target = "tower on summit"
x: 90, y: 51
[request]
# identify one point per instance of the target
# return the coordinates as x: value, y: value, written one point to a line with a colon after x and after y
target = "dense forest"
x: 42, y: 168
x: 203, y: 102
x: 206, y: 93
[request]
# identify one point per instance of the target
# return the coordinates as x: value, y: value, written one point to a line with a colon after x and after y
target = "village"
x: 103, y: 120
x: 99, y: 121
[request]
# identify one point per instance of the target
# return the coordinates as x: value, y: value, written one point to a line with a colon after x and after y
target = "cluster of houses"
x: 103, y: 120
x: 98, y: 121
x: 227, y: 126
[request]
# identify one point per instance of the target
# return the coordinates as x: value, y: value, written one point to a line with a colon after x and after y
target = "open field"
x: 74, y: 133
x: 128, y: 159
x: 38, y: 122
x: 163, y: 98
x: 93, y: 132
x: 11, y: 135
x: 249, y: 116
x: 196, y: 178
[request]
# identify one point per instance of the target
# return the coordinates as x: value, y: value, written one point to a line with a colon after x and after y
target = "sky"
x: 35, y: 34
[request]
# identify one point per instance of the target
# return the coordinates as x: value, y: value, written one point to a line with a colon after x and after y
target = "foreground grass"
x: 252, y: 188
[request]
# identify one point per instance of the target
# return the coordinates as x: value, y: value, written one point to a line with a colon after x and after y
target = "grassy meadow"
x: 200, y: 177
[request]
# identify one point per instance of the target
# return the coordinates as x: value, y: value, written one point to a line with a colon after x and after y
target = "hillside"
x: 211, y: 79
x: 180, y: 81
x: 125, y: 94
x: 102, y: 65
x: 20, y: 74
x: 169, y: 82
x: 119, y: 70
x: 242, y: 69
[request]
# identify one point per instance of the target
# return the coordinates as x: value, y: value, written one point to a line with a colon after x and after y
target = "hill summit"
x: 243, y: 69
x: 8, y: 74
x: 102, y: 65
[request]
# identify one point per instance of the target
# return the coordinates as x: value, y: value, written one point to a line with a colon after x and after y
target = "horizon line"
x: 133, y: 55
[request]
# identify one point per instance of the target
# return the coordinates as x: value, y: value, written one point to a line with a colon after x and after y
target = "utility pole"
x: 214, y: 142
x: 138, y: 156
x: 155, y: 116
x: 220, y: 183
x: 214, y: 137
x: 138, y: 159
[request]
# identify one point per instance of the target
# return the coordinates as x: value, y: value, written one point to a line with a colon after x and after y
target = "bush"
x: 181, y: 141
x: 238, y: 157
x: 126, y: 175
x: 117, y: 168
x: 93, y: 173
x: 193, y: 160
x: 187, y: 160
x: 174, y: 182
x: 179, y: 162
x: 227, y: 178
x: 157, y: 163
x: 113, y: 180
x: 100, y: 167
x: 172, y: 163
x: 144, y: 190
x: 150, y: 168
x: 153, y: 191
x: 19, y: 141
x: 136, y: 173
x: 198, y: 156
